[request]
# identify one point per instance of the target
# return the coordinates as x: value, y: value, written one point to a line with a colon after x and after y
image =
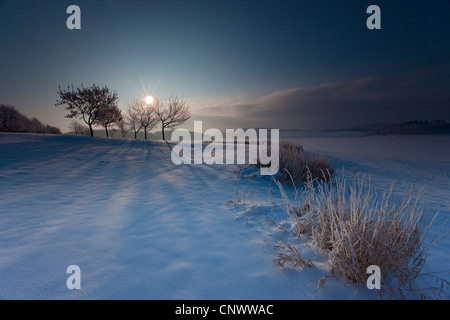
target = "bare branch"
x: 173, y: 113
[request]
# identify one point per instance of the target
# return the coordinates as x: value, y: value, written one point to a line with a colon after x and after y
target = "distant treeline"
x: 415, y: 127
x: 12, y: 120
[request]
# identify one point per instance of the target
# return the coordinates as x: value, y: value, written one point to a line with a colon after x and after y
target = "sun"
x: 149, y: 99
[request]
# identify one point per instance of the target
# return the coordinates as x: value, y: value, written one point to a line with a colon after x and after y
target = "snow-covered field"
x: 140, y: 227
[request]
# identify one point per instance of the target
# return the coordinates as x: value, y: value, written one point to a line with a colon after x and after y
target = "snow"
x: 140, y: 227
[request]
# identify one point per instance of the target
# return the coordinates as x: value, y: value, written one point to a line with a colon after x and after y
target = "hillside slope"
x: 140, y: 227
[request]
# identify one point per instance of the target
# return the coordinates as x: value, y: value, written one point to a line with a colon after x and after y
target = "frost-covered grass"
x: 355, y: 227
x: 295, y: 164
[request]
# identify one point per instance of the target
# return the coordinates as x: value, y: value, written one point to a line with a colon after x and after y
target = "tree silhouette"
x: 108, y: 114
x: 133, y: 117
x: 86, y: 103
x: 12, y: 120
x: 143, y: 114
x: 123, y: 127
x: 172, y: 113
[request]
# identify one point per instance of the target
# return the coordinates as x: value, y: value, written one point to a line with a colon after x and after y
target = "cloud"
x: 417, y: 95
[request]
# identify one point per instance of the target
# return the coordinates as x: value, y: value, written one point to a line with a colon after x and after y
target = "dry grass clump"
x: 244, y: 202
x: 294, y: 159
x: 354, y: 227
x: 289, y: 257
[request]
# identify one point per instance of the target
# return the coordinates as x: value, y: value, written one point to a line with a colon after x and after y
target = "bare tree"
x: 133, y: 116
x: 148, y: 117
x: 78, y: 128
x: 74, y: 126
x: 108, y: 115
x: 84, y: 130
x: 144, y: 115
x: 123, y: 127
x: 171, y: 114
x: 86, y: 103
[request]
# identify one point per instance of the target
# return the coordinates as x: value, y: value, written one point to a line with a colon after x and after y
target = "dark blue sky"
x: 287, y: 64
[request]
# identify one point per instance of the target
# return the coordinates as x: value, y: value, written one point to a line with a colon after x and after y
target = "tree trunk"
x: 163, y: 134
x: 145, y: 133
x: 106, y: 129
x: 90, y: 129
x: 135, y: 135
